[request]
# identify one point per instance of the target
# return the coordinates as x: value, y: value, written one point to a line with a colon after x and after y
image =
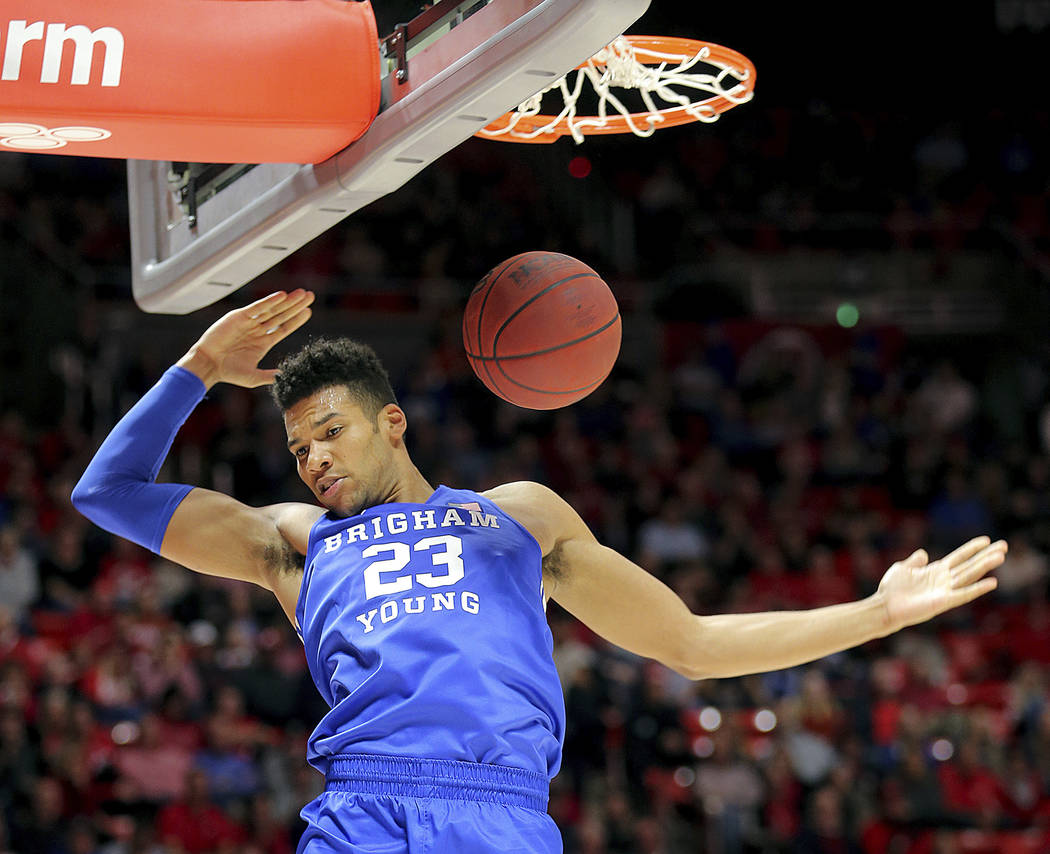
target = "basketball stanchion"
x: 199, y: 233
x: 278, y: 126
x: 679, y: 80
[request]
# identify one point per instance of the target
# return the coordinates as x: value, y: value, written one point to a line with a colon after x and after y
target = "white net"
x: 667, y: 83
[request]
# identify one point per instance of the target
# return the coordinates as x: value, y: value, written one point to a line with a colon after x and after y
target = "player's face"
x: 341, y: 454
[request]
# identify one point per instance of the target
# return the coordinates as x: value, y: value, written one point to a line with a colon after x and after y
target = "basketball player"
x: 422, y: 609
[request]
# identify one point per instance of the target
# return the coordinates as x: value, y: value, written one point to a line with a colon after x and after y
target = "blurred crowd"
x: 750, y: 465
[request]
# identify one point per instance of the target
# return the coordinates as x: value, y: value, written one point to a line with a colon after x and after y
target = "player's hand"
x: 914, y: 590
x: 233, y: 346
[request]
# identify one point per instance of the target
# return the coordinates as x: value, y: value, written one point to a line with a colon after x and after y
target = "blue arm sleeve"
x: 117, y: 491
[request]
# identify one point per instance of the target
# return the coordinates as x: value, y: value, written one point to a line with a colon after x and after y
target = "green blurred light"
x: 847, y: 315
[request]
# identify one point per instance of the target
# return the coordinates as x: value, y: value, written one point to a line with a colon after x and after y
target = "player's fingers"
x: 965, y: 551
x: 262, y: 308
x: 281, y: 313
x: 295, y: 303
x: 283, y: 330
x: 264, y: 313
x: 971, y: 592
x: 980, y: 564
x: 996, y: 549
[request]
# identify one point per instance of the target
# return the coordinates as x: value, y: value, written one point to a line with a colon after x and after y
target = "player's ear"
x: 392, y: 421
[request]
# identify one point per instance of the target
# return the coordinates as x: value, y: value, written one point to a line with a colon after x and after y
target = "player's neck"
x: 410, y: 487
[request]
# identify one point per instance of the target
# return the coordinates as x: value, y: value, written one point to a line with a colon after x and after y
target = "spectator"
x: 957, y: 513
x: 1027, y: 700
x: 122, y: 573
x: 971, y: 788
x: 5, y: 838
x: 81, y: 837
x: 620, y: 824
x: 913, y: 793
x: 822, y: 714
x: 730, y: 792
x: 39, y: 827
x: 586, y: 704
x: 265, y: 831
x: 1023, y: 790
x: 825, y: 831
x: 19, y: 761
x: 783, y: 807
x: 19, y: 578
x: 233, y: 738
x: 653, y: 736
x: 194, y: 825
x: 824, y: 585
x: 812, y: 756
x: 670, y: 537
x: 135, y: 838
x: 945, y: 402
x: 157, y: 767
x: 167, y: 667
x: 110, y: 685
x: 65, y: 570
x: 1023, y: 574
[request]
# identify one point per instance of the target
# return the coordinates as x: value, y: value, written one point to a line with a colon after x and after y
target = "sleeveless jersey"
x: 425, y: 632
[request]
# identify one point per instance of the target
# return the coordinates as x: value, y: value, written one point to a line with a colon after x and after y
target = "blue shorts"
x: 398, y: 805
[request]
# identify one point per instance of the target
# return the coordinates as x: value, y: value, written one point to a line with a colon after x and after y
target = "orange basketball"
x: 542, y: 330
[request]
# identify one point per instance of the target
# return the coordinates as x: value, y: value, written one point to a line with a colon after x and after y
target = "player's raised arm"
x: 629, y: 607
x: 203, y: 530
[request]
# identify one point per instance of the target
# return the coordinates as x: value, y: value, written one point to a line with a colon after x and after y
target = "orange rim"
x: 680, y: 49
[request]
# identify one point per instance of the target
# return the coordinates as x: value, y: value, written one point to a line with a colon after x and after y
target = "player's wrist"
x: 202, y: 366
x: 879, y: 608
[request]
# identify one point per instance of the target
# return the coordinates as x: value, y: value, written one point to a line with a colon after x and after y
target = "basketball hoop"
x: 667, y: 72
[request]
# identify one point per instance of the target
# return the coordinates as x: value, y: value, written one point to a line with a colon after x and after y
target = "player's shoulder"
x: 543, y: 513
x: 520, y: 490
x: 526, y: 497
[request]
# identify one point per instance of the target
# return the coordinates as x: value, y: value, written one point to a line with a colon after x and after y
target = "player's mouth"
x: 329, y: 486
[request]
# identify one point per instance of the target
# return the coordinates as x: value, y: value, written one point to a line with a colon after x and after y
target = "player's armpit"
x: 294, y: 521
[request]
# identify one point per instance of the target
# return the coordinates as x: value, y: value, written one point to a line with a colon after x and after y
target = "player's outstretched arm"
x: 203, y: 530
x: 629, y: 607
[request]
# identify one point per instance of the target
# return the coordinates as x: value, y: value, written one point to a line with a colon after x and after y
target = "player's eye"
x: 300, y: 452
x: 334, y: 431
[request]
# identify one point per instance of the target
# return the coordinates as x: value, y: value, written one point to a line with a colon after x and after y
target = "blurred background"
x: 835, y: 351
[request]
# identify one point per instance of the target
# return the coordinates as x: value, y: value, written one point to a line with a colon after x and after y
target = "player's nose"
x: 318, y: 459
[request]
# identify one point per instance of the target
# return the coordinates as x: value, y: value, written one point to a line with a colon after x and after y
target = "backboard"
x: 201, y: 231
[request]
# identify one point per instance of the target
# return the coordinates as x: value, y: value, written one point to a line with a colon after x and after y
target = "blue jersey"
x: 425, y: 632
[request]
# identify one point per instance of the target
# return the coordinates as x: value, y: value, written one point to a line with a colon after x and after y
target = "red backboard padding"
x: 211, y: 81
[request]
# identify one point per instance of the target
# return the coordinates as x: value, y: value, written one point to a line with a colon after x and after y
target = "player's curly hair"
x: 325, y: 362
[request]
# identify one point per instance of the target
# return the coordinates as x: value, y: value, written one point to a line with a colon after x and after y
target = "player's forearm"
x: 117, y: 490
x: 627, y: 606
x: 738, y: 644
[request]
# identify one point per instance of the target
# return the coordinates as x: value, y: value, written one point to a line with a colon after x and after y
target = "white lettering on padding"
x: 84, y: 41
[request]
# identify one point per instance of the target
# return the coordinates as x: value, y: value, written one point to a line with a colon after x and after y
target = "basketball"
x: 541, y: 330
